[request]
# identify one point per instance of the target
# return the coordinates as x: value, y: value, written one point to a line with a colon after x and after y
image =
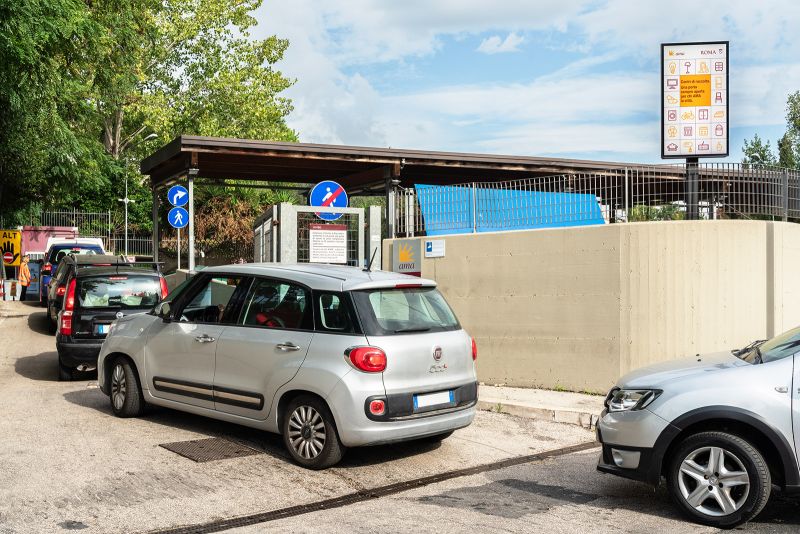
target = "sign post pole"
x: 692, y: 189
x: 179, y: 248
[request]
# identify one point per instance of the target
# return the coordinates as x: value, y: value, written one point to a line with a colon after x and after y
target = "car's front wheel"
x: 125, y: 392
x: 719, y: 479
x: 309, y: 433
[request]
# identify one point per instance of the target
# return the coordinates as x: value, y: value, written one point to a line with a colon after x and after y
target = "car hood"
x: 657, y: 374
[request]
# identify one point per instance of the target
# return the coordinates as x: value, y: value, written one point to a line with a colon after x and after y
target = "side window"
x: 215, y: 300
x: 278, y: 304
x: 333, y: 313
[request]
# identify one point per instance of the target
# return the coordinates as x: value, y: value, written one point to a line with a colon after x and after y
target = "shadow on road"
x: 271, y: 444
x: 43, y: 366
x: 39, y: 323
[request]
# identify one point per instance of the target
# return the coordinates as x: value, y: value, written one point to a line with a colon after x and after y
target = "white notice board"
x: 327, y: 243
x: 694, y: 100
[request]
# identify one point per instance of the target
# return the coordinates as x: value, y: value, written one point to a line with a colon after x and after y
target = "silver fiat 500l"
x: 330, y: 357
x: 722, y: 428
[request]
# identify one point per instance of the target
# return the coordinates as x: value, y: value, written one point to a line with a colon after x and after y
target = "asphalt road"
x: 66, y: 463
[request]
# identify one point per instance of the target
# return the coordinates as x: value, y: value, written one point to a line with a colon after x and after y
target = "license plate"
x: 103, y: 328
x: 433, y: 399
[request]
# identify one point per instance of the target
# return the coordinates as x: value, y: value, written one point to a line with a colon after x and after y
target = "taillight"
x: 367, y: 359
x: 60, y: 290
x: 377, y: 407
x: 65, y: 327
x: 46, y: 268
x: 164, y: 288
x: 474, y: 350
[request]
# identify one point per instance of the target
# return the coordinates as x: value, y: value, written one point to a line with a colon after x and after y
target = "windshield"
x: 404, y: 310
x: 58, y: 252
x: 786, y: 344
x: 123, y: 291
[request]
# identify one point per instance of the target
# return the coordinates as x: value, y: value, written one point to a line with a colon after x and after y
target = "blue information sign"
x: 178, y: 217
x: 178, y: 195
x: 328, y: 194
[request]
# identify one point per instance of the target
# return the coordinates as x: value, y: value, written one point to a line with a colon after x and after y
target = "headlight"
x: 621, y: 400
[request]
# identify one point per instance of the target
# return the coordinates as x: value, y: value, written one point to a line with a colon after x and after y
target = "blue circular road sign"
x: 328, y: 194
x: 178, y: 195
x: 178, y: 217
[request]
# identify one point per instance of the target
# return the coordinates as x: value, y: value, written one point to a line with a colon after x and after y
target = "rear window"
x: 118, y: 291
x: 404, y: 311
x: 59, y: 251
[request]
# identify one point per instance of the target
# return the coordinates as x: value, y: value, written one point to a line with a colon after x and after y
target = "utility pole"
x: 126, y: 201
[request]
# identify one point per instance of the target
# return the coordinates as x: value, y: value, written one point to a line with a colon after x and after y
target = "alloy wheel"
x: 307, y: 432
x: 714, y: 481
x: 118, y: 387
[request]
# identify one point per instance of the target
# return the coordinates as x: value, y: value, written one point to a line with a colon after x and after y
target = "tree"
x: 758, y: 152
x: 787, y: 155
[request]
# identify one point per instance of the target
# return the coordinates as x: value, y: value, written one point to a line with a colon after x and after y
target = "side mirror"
x: 164, y: 310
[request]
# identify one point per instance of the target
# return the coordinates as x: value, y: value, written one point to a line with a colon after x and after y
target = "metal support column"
x: 692, y: 189
x: 785, y: 195
x: 155, y: 224
x: 627, y: 187
x: 390, y: 203
x: 190, y: 187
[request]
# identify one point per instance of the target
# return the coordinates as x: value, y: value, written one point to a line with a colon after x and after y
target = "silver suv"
x: 330, y: 357
x: 722, y: 428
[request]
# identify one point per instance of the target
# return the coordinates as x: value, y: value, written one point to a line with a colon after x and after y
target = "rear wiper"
x: 419, y: 329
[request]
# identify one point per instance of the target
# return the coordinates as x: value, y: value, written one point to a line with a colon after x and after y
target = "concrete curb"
x: 570, y: 417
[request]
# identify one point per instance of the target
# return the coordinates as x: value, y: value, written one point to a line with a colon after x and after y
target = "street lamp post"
x: 126, y: 201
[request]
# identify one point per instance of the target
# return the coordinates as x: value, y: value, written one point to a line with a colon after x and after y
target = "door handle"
x: 287, y: 346
x: 205, y: 338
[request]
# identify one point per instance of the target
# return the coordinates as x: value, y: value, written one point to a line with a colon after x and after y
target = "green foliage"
x: 87, y: 89
x: 668, y: 212
x: 758, y: 152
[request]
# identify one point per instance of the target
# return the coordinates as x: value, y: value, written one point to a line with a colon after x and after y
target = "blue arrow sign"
x: 328, y: 194
x: 178, y: 217
x: 178, y: 195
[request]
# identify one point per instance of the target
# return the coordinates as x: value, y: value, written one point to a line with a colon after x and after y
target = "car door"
x: 265, y: 349
x: 181, y: 353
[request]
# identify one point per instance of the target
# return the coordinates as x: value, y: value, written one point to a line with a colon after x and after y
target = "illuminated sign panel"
x: 694, y: 100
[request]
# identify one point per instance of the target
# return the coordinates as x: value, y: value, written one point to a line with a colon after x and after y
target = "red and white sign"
x: 8, y: 257
x: 327, y: 243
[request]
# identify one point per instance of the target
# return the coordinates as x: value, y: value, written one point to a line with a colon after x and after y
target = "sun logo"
x: 405, y: 254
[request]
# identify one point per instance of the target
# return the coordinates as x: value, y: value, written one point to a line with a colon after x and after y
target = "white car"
x: 330, y: 357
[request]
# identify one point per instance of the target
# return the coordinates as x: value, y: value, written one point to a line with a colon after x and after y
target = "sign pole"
x: 179, y: 248
x: 692, y: 189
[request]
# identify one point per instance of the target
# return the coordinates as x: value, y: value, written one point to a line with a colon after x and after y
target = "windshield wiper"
x: 418, y: 329
x: 751, y: 346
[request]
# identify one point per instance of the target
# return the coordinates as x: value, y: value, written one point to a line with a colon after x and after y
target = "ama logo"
x: 406, y: 257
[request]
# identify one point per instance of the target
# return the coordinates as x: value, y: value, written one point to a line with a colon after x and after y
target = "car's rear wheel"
x: 719, y: 479
x: 125, y: 392
x: 309, y: 433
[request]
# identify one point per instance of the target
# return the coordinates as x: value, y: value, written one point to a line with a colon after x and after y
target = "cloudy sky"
x: 558, y: 78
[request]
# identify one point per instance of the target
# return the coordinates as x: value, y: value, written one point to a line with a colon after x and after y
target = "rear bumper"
x: 355, y: 429
x: 75, y: 352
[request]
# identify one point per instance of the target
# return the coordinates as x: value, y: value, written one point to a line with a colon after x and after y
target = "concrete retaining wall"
x: 578, y: 307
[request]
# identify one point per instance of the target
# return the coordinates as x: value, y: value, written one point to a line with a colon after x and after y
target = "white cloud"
x: 345, y: 55
x: 497, y: 45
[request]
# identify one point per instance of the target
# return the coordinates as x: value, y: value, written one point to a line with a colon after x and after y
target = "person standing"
x: 24, y: 276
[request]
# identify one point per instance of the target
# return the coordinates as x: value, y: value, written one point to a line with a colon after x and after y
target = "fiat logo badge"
x: 437, y: 353
x: 120, y: 315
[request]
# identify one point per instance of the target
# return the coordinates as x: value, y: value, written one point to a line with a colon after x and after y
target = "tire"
x: 310, y: 435
x: 438, y: 437
x: 125, y: 391
x: 693, y: 474
x: 65, y: 374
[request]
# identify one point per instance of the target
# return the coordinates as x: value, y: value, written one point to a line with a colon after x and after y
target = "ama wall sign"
x: 694, y: 100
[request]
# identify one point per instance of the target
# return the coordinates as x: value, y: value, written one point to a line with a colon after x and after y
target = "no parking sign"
x: 328, y: 194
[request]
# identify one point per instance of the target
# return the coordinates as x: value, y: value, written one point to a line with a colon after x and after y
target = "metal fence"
x: 636, y: 193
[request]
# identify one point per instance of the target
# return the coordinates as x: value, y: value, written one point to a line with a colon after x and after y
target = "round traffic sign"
x: 328, y: 194
x: 8, y: 257
x: 178, y: 217
x: 178, y: 195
